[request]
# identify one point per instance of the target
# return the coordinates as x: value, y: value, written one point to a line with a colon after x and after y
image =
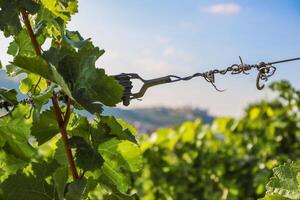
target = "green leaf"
x: 106, y: 127
x: 87, y: 158
x: 9, y: 96
x: 77, y: 75
x: 76, y: 189
x: 31, y: 183
x: 74, y: 39
x: 9, y: 15
x: 61, y: 8
x: 284, y: 183
x: 112, y: 173
x: 115, y: 194
x: 79, y: 126
x: 127, y: 153
x: 39, y: 66
x: 28, y: 84
x: 127, y: 127
x: 120, y: 155
x: 52, y: 24
x: 46, y: 127
x: 9, y: 164
x: 116, y: 129
x: 273, y: 197
x: 43, y: 98
x: 43, y: 169
x: 60, y: 154
x: 60, y: 178
x: 15, y: 132
x: 12, y: 70
x: 24, y: 187
x: 90, y: 86
x: 21, y: 45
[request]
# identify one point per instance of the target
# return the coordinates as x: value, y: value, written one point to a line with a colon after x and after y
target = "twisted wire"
x: 265, y: 71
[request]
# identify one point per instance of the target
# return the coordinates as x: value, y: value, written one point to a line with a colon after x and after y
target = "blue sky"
x: 156, y: 38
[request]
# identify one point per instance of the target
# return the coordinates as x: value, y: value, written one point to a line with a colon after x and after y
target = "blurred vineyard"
x: 230, y: 159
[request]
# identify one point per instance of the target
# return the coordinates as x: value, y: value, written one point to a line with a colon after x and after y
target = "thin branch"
x: 37, y: 85
x: 61, y: 122
x: 68, y: 113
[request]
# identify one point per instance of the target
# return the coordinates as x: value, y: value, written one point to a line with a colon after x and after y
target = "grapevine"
x: 50, y: 150
x: 44, y: 140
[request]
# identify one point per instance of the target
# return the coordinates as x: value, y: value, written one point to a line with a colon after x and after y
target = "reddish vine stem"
x: 62, y: 122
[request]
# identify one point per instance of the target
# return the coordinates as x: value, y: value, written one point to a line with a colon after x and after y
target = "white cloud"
x: 169, y: 51
x: 154, y: 66
x: 186, y: 25
x: 162, y: 39
x: 225, y: 8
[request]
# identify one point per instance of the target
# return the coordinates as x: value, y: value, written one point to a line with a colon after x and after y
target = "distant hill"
x: 149, y: 119
x: 145, y: 119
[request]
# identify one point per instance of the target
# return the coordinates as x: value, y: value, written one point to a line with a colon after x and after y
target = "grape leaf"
x: 120, y: 155
x: 43, y: 169
x: 77, y: 75
x: 60, y: 178
x: 23, y: 187
x: 285, y: 182
x: 74, y: 39
x: 79, y: 126
x: 90, y: 86
x: 21, y: 45
x: 87, y: 157
x: 76, y: 189
x: 39, y: 66
x: 15, y: 132
x: 51, y: 22
x: 45, y: 127
x: 9, y: 164
x: 54, y: 15
x: 115, y: 194
x: 113, y: 174
x: 28, y: 84
x: 116, y: 129
x: 9, y: 15
x: 61, y: 8
x: 60, y: 154
x: 273, y: 197
x: 107, y: 127
x: 127, y: 127
x: 9, y: 96
x: 12, y: 70
x: 32, y: 183
x: 127, y: 153
x: 43, y: 98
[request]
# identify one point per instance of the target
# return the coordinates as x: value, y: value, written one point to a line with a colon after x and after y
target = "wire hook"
x: 265, y: 71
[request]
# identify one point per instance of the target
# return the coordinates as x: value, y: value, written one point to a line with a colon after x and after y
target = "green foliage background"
x: 231, y: 159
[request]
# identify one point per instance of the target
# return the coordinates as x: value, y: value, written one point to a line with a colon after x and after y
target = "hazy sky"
x: 157, y: 38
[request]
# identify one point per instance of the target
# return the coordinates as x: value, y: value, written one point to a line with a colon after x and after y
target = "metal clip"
x: 125, y: 80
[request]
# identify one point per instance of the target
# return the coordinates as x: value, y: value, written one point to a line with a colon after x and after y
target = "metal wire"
x: 265, y: 71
